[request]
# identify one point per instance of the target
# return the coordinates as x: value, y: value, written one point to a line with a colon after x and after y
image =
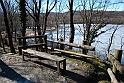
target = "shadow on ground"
x: 12, y: 75
x: 70, y: 76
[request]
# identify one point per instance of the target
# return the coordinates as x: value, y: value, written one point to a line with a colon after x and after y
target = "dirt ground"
x: 36, y: 70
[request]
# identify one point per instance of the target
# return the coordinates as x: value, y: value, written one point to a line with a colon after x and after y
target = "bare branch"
x: 52, y: 7
x: 111, y: 39
x: 30, y: 14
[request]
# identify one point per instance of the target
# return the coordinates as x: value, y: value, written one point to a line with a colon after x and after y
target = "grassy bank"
x: 97, y: 64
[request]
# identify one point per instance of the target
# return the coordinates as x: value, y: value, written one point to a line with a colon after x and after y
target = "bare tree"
x: 11, y: 12
x: 92, y: 14
x: 48, y: 10
x: 7, y: 27
x: 61, y: 17
x: 34, y: 11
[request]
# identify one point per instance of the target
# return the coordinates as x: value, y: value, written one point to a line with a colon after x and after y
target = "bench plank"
x: 44, y: 55
x: 47, y: 56
x: 28, y: 37
x: 31, y: 45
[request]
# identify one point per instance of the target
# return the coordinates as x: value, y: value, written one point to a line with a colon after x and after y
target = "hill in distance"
x: 109, y: 17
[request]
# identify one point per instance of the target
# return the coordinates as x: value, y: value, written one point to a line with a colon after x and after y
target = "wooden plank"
x: 112, y: 76
x: 74, y: 45
x: 26, y: 37
x: 55, y: 52
x: 83, y: 55
x: 116, y: 63
x: 44, y: 55
x: 31, y: 45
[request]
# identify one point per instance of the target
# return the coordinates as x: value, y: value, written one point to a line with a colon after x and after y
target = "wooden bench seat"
x: 47, y: 56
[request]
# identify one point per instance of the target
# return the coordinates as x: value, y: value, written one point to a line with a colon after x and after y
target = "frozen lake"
x: 101, y: 42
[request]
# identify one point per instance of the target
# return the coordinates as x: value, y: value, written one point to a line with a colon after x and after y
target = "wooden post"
x: 58, y: 67
x: 45, y: 43
x: 112, y: 76
x: 36, y: 43
x: 64, y: 64
x: 118, y: 56
x: 117, y: 64
x: 20, y: 50
x: 41, y: 40
x: 23, y: 56
x: 84, y: 51
x: 61, y: 45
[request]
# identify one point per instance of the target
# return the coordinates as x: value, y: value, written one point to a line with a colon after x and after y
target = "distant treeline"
x: 109, y: 17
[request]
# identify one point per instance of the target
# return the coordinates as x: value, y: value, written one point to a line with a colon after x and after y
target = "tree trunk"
x: 24, y: 40
x: 87, y: 32
x: 15, y: 35
x: 1, y: 41
x: 11, y: 27
x: 39, y: 30
x: 23, y: 19
x: 38, y: 27
x: 7, y: 28
x: 45, y: 25
x: 72, y: 30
